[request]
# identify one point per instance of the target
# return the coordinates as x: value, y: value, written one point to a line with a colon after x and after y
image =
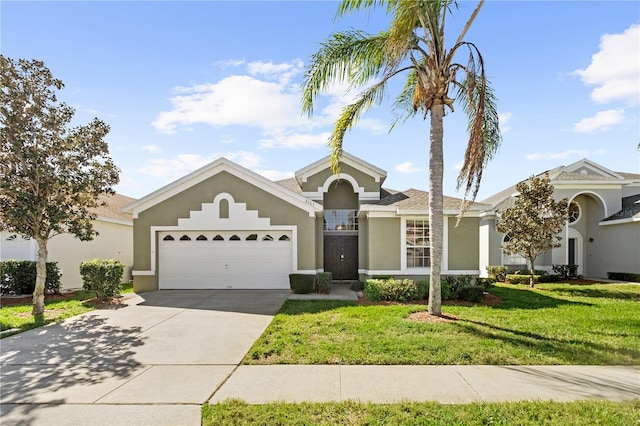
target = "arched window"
x: 217, y: 238
x: 185, y: 238
x: 201, y: 238
x: 267, y: 238
x: 234, y: 238
x: 168, y: 238
x: 511, y: 259
x: 284, y: 238
x: 574, y: 212
x: 224, y: 209
x: 252, y: 237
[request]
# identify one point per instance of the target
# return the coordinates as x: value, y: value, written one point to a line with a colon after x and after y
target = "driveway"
x: 153, y: 361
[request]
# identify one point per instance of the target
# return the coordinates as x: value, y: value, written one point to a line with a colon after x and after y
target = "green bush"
x: 302, y: 283
x: 526, y: 272
x: 624, y: 276
x: 392, y: 290
x: 19, y: 277
x: 524, y: 279
x: 357, y: 286
x: 323, y: 282
x: 103, y: 276
x: 566, y: 271
x: 485, y: 283
x: 497, y: 272
x: 470, y: 294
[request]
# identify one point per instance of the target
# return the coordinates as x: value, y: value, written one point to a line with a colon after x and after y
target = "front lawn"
x: 551, y: 324
x: 424, y: 413
x: 19, y: 317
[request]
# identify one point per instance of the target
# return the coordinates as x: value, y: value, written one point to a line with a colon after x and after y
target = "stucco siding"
x: 463, y: 249
x: 167, y: 213
x: 114, y: 242
x: 384, y: 244
x: 363, y: 243
x: 317, y: 180
x: 622, y: 253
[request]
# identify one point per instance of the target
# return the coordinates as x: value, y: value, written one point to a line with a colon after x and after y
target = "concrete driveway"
x: 153, y: 361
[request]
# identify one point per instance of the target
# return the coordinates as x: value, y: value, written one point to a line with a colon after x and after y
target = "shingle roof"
x: 113, y: 208
x: 415, y: 199
x: 630, y: 208
x: 291, y: 184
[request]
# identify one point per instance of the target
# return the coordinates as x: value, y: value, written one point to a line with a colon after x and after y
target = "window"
x: 252, y: 237
x: 201, y: 238
x: 418, y: 247
x: 511, y: 259
x: 341, y: 220
x: 217, y: 238
x: 574, y: 212
x: 168, y: 238
x: 284, y: 238
x: 185, y: 238
x: 267, y: 238
x: 234, y: 238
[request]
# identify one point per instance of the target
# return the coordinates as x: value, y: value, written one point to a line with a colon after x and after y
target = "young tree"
x: 413, y: 46
x: 51, y: 174
x: 535, y: 221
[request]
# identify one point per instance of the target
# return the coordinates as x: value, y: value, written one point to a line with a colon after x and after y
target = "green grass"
x: 552, y: 324
x: 426, y: 413
x: 19, y: 317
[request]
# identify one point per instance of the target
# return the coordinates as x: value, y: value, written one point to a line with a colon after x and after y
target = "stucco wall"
x: 114, y: 242
x: 384, y: 244
x: 621, y: 249
x: 317, y: 180
x: 167, y: 212
x: 463, y: 250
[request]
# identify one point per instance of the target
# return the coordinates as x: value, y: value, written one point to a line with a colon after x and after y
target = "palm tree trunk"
x: 41, y: 277
x: 436, y: 165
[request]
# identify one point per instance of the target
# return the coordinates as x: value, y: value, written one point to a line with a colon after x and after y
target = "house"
x: 602, y: 234
x: 224, y: 226
x: 115, y: 241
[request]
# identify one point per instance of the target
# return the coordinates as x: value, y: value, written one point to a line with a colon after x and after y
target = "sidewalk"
x: 449, y: 384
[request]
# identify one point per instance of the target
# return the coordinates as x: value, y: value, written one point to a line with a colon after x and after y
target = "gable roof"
x: 630, y: 209
x: 418, y: 201
x: 377, y: 173
x: 215, y: 167
x: 113, y: 209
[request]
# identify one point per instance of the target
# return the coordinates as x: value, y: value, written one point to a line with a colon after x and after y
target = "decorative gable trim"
x: 369, y: 169
x: 218, y: 166
x: 362, y: 194
x: 586, y: 164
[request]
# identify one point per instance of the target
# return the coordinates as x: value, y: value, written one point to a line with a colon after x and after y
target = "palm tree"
x: 414, y: 46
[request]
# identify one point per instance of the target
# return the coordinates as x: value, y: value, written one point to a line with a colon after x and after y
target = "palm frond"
x: 353, y: 56
x: 348, y: 6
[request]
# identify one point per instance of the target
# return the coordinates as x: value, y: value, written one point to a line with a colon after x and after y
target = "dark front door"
x: 341, y: 256
x: 572, y: 251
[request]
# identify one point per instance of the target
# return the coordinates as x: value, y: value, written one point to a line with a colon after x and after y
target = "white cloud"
x: 230, y: 63
x: 504, y: 119
x: 373, y: 125
x: 602, y: 121
x: 283, y: 72
x: 615, y: 69
x: 295, y: 140
x: 563, y: 155
x: 154, y: 149
x: 458, y: 166
x: 407, y: 167
x: 180, y: 165
x: 275, y: 174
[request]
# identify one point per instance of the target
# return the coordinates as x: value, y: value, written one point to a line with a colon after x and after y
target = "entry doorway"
x: 341, y: 256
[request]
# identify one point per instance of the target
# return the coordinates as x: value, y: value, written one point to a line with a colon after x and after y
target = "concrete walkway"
x: 156, y: 360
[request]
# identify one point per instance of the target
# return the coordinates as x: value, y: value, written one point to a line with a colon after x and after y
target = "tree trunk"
x: 531, y: 272
x: 41, y: 277
x: 436, y: 164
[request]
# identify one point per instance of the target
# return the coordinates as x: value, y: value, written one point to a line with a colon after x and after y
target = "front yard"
x: 551, y: 324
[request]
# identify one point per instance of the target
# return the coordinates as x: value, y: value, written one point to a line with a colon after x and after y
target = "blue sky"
x: 182, y: 83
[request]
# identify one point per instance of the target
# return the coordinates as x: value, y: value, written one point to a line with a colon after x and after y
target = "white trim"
x: 585, y: 184
x: 403, y: 244
x: 369, y: 169
x: 636, y: 218
x: 116, y: 221
x: 215, y: 167
x: 305, y: 271
x: 362, y: 194
x: 575, y: 234
x: 595, y: 194
x: 601, y: 170
x: 418, y: 271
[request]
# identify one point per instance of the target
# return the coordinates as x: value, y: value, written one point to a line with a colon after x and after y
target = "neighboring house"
x: 603, y: 233
x: 224, y: 226
x: 115, y: 241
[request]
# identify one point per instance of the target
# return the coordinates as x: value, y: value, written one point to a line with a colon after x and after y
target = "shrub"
x: 566, y: 271
x: 302, y: 283
x: 323, y: 282
x: 526, y: 272
x: 497, y: 272
x: 103, y: 276
x: 392, y: 290
x: 524, y: 279
x: 485, y: 283
x: 470, y: 294
x: 19, y: 277
x: 624, y: 276
x: 357, y: 286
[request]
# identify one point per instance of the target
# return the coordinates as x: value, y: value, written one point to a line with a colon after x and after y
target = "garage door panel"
x: 257, y: 263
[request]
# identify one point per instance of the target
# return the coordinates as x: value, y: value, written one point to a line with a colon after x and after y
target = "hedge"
x: 497, y: 272
x: 104, y: 276
x: 394, y: 290
x: 624, y: 276
x: 323, y: 282
x: 19, y: 277
x: 302, y: 283
x: 524, y: 279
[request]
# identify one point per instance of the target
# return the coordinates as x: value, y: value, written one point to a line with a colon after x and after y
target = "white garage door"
x: 221, y: 260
